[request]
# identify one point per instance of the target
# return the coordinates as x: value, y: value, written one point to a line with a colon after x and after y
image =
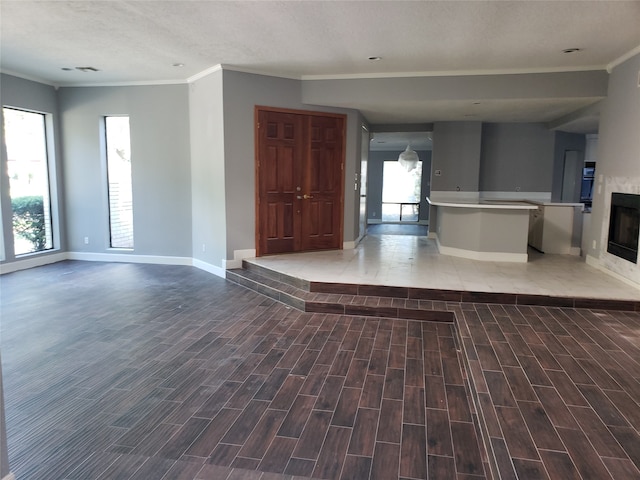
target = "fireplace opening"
x: 624, y: 226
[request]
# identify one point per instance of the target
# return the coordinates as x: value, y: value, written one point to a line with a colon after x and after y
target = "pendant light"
x: 409, y: 159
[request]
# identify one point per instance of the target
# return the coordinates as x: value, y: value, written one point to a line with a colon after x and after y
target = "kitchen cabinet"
x: 551, y: 228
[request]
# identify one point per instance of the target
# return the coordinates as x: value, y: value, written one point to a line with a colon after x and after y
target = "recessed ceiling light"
x: 87, y: 69
x: 571, y: 50
x: 374, y: 58
x: 178, y: 65
x: 66, y: 69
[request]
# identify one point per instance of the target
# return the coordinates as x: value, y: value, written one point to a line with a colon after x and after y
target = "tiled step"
x: 342, y: 299
x: 439, y: 297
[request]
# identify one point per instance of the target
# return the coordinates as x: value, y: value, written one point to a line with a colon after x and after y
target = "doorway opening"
x: 399, y: 175
x: 401, y: 192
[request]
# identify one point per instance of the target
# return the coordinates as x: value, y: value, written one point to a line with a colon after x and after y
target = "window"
x: 28, y: 169
x: 400, y: 192
x: 119, y: 182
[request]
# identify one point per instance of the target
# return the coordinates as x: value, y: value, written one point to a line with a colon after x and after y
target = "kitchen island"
x: 482, y: 229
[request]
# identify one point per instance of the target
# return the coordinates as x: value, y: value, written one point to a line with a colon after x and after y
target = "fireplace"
x: 624, y: 226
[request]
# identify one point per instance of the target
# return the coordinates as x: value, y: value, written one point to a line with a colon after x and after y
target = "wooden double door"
x: 299, y: 180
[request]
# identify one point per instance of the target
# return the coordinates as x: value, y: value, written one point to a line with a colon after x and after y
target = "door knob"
x: 307, y: 196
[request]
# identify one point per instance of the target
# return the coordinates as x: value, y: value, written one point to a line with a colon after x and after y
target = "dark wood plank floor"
x: 121, y: 371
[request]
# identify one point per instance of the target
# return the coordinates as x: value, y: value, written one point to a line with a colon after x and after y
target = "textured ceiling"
x: 139, y: 41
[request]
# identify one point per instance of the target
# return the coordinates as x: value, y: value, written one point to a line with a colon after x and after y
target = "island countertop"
x: 483, y: 203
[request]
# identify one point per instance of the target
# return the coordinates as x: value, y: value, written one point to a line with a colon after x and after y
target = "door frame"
x: 256, y: 113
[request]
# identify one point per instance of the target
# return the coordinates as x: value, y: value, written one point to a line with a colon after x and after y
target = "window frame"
x: 7, y: 244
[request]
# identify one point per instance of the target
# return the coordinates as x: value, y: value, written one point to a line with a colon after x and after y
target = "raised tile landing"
x: 411, y: 303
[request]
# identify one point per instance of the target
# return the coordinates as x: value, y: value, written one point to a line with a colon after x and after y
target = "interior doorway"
x: 397, y: 188
x: 571, y: 177
x: 299, y: 180
x: 401, y: 192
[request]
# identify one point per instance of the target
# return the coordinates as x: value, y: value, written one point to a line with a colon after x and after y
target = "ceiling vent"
x: 87, y: 69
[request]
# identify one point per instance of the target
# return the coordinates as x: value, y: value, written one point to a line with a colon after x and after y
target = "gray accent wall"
x: 456, y: 154
x: 516, y: 157
x: 161, y: 171
x: 242, y: 92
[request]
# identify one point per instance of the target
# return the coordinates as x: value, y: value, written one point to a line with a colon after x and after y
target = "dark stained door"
x: 299, y: 181
x: 323, y: 180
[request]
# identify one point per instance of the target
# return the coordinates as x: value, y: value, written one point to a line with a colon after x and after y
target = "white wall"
x: 618, y: 167
x: 208, y: 204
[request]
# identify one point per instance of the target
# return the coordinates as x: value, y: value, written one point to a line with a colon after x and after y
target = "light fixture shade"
x: 408, y: 159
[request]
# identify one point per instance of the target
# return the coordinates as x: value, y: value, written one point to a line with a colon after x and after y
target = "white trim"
x: 136, y: 83
x: 264, y: 73
x: 231, y: 264
x: 30, y: 78
x: 483, y: 256
x: 207, y: 267
x: 576, y: 251
x: 238, y: 257
x: 596, y: 263
x: 9, y: 476
x: 453, y: 73
x: 204, y: 73
x: 433, y: 236
x: 129, y: 258
x: 623, y: 58
x: 34, y: 261
x: 374, y: 221
x: 351, y: 244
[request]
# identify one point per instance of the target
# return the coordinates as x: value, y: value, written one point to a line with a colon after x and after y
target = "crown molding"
x: 29, y: 77
x: 141, y: 83
x: 234, y: 68
x: 623, y: 58
x: 204, y: 73
x: 454, y: 73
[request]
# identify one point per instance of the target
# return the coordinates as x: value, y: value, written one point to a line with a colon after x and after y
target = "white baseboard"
x: 576, y: 251
x: 238, y: 256
x: 483, y: 256
x: 595, y: 263
x: 351, y: 245
x: 35, y: 261
x: 129, y: 258
x: 207, y: 267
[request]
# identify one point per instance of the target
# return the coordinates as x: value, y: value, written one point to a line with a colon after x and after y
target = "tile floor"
x: 414, y: 261
x: 165, y: 372
x: 148, y: 372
